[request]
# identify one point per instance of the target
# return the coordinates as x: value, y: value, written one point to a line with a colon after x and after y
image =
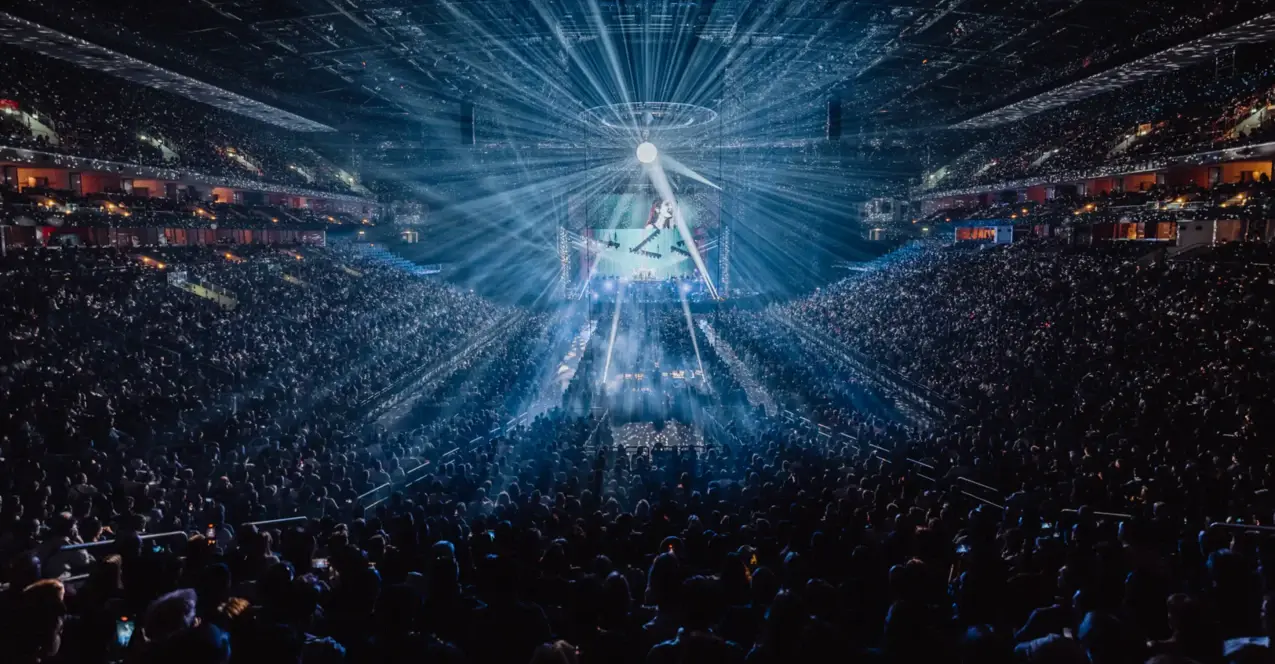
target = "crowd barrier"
x: 175, y: 534
x: 1114, y: 515
x: 271, y: 522
x: 1243, y: 526
x: 593, y: 435
x: 382, y: 493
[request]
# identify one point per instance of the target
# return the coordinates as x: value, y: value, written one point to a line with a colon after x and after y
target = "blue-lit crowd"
x: 1033, y: 453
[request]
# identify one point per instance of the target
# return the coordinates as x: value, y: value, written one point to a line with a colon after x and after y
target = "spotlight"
x: 608, y: 285
x: 686, y: 287
x: 646, y: 153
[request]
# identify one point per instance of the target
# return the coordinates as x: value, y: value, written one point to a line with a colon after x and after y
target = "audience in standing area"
x: 1099, y: 416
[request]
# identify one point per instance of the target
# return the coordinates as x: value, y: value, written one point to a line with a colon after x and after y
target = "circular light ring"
x: 647, y: 152
x: 649, y: 115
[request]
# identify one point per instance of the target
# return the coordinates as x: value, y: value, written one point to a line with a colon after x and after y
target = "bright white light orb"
x: 646, y: 153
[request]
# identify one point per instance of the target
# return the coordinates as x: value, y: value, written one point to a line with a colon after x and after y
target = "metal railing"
x: 883, y: 454
x: 271, y: 522
x: 1113, y: 515
x: 105, y: 543
x: 411, y: 477
x: 593, y: 435
x: 383, y: 492
x: 876, y: 370
x: 386, y: 397
x: 1243, y: 526
x: 371, y: 491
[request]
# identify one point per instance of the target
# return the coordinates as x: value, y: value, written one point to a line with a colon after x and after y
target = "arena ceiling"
x: 894, y: 63
x: 739, y: 90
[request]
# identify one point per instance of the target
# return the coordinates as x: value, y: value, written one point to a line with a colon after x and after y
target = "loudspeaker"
x: 834, y: 120
x: 466, y: 123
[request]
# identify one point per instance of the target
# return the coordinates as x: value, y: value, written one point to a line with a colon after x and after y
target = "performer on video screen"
x: 661, y: 215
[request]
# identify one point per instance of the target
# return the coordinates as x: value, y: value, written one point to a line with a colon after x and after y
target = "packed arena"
x: 717, y: 331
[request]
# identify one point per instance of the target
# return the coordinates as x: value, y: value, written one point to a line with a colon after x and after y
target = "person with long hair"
x: 661, y: 215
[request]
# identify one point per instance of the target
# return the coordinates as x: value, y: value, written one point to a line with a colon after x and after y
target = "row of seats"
x: 99, y: 116
x: 1084, y: 491
x: 1197, y: 109
x: 50, y: 207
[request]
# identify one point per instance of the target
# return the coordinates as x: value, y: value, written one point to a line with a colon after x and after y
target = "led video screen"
x: 635, y: 235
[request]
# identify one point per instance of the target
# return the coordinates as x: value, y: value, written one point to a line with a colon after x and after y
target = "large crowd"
x: 107, y: 354
x: 56, y: 106
x: 1149, y: 375
x: 1202, y: 108
x: 1251, y: 201
x: 1068, y: 55
x: 1035, y: 453
x: 183, y: 478
x: 655, y: 363
x: 38, y: 206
